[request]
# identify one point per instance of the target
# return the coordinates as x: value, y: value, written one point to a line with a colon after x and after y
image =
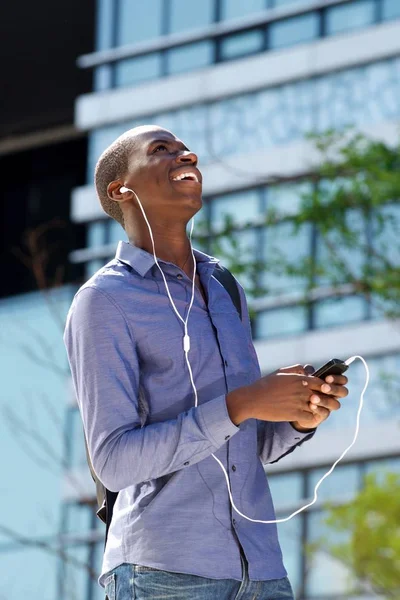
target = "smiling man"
x: 174, y: 533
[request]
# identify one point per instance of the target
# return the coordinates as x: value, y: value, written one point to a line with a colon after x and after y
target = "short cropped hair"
x: 112, y: 164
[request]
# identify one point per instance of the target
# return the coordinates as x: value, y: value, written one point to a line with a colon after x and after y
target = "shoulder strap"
x: 226, y: 278
x: 105, y: 498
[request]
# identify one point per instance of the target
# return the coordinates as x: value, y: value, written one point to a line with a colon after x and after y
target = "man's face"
x: 164, y: 172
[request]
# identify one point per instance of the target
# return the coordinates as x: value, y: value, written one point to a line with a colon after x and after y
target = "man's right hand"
x: 279, y: 397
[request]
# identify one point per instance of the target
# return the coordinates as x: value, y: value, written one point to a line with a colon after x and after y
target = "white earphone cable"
x: 186, y: 347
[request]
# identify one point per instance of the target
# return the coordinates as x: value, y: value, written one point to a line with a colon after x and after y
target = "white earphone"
x: 186, y: 348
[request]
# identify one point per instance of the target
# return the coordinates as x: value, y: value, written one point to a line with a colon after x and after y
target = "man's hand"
x: 321, y: 405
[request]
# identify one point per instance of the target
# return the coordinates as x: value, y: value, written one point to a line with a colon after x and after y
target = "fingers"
x: 322, y: 400
x: 333, y: 389
x: 321, y: 412
x: 337, y: 379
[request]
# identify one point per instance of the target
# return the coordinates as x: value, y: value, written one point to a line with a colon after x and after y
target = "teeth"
x: 186, y: 176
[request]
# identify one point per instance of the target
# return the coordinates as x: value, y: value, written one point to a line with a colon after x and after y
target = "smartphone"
x: 332, y: 367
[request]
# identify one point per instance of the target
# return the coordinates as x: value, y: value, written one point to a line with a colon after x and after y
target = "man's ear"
x: 113, y: 191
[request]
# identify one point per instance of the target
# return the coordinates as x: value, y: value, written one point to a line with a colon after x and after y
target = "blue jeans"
x: 133, y: 582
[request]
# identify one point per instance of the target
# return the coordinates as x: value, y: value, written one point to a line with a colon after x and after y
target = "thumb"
x: 309, y: 369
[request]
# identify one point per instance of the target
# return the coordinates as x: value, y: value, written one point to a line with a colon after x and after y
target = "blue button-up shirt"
x: 146, y: 438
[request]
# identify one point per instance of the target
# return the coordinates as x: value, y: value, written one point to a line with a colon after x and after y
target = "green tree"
x: 371, y: 522
x: 353, y: 202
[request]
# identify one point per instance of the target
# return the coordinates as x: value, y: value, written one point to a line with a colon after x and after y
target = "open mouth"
x: 186, y: 177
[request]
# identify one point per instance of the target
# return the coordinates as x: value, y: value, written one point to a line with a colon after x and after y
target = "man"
x: 174, y: 532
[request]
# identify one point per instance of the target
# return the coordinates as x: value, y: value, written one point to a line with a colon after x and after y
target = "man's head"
x: 151, y: 161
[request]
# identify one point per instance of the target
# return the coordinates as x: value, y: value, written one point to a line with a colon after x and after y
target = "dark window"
x: 241, y: 44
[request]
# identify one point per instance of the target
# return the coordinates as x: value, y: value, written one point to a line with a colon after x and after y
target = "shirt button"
x: 227, y: 437
x: 234, y: 521
x: 226, y: 363
x: 233, y: 468
x: 186, y: 463
x: 179, y: 276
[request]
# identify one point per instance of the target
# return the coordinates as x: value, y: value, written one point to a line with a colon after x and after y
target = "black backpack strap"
x: 226, y: 278
x: 105, y: 498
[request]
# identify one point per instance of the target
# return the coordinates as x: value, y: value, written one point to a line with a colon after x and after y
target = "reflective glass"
x: 291, y: 544
x: 102, y: 78
x: 380, y: 468
x: 233, y: 9
x: 293, y: 31
x: 79, y: 518
x: 283, y: 249
x: 138, y: 21
x: 92, y: 266
x: 137, y: 70
x: 281, y: 321
x: 242, y: 207
x: 324, y: 572
x: 333, y: 249
x: 275, y: 116
x: 348, y: 16
x: 343, y: 481
x: 116, y: 232
x: 184, y: 16
x: 241, y: 44
x: 285, y: 199
x: 96, y: 234
x: 191, y: 56
x: 390, y: 9
x: 239, y: 247
x: 286, y: 489
x: 104, y: 21
x: 280, y: 3
x: 76, y: 437
x: 338, y: 311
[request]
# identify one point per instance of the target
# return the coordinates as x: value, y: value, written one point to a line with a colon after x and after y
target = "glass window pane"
x: 380, y: 468
x: 102, y: 78
x: 343, y: 480
x: 325, y: 572
x: 285, y: 199
x: 390, y: 9
x: 138, y: 21
x: 280, y: 3
x: 185, y: 16
x: 290, y: 540
x: 79, y: 518
x: 241, y: 44
x: 93, y: 266
x: 136, y: 70
x: 349, y: 16
x: 95, y: 234
x: 338, y: 311
x: 233, y: 9
x: 116, y: 232
x: 238, y: 248
x: 192, y: 56
x: 242, y: 207
x: 283, y: 249
x: 104, y: 24
x: 281, y: 321
x: 285, y: 489
x: 293, y: 31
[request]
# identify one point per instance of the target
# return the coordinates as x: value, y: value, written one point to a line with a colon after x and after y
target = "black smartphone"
x: 332, y: 367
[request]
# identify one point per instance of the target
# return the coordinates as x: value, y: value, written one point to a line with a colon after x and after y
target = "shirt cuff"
x: 290, y: 435
x: 215, y: 421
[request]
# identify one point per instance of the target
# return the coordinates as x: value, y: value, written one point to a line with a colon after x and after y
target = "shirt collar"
x: 143, y: 261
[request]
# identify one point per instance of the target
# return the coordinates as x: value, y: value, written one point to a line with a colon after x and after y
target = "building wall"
x: 242, y: 84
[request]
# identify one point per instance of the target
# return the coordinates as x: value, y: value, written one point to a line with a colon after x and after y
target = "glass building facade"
x: 159, y: 39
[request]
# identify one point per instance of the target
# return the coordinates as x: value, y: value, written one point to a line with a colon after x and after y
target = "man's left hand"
x: 320, y: 404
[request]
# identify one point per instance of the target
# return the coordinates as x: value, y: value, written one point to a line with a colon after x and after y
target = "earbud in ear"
x: 124, y: 189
